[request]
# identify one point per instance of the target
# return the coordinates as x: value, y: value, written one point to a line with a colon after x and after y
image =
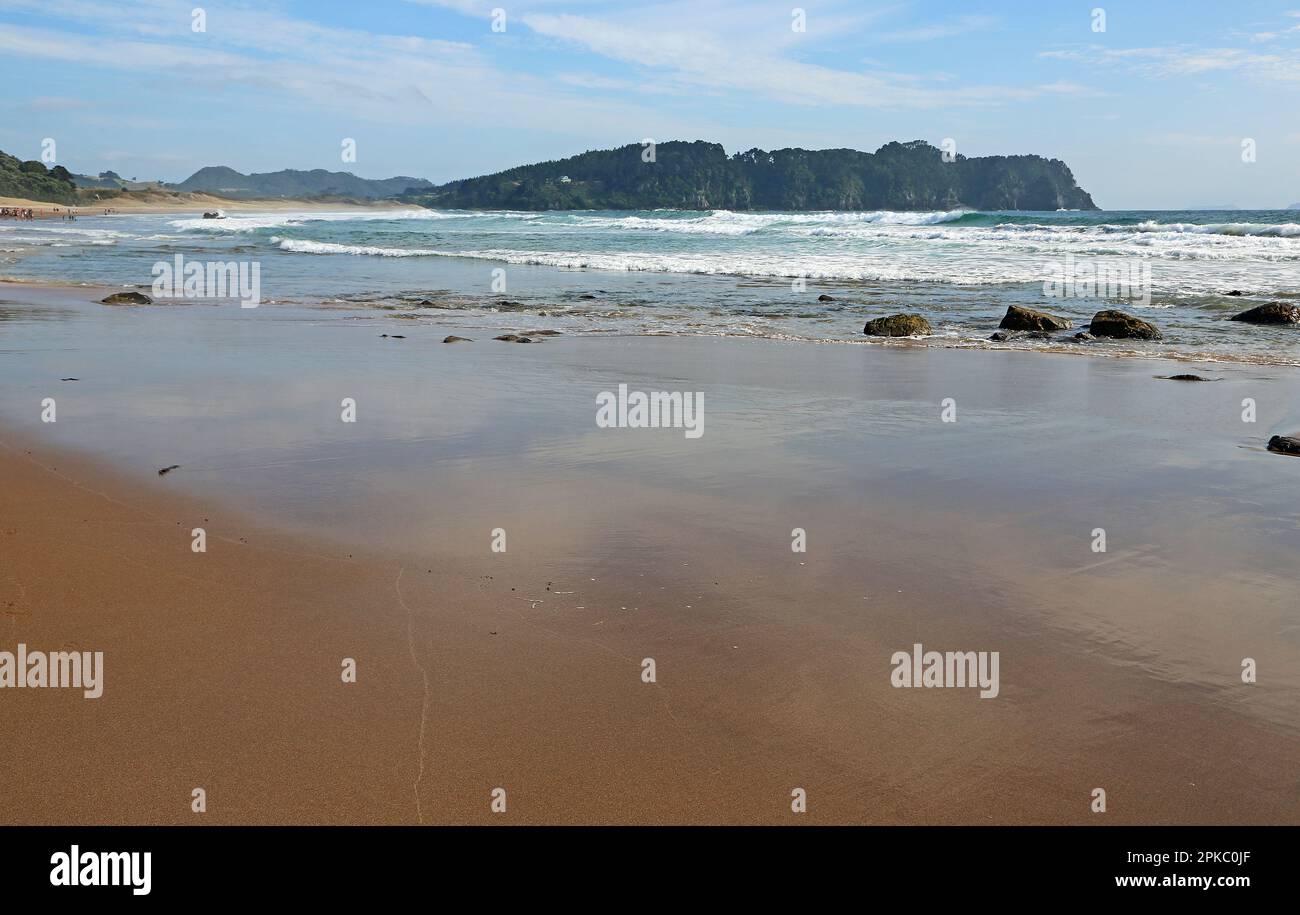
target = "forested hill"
x: 700, y: 176
x: 31, y: 180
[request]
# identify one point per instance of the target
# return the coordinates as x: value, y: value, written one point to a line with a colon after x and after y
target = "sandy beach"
x: 524, y: 669
x: 189, y: 202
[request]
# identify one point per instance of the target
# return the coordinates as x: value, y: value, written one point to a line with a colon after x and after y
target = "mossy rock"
x: 127, y: 298
x: 901, y: 325
x: 1018, y: 318
x: 1112, y: 323
x: 1272, y: 313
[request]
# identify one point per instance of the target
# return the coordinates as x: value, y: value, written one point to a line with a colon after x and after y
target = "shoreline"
x: 522, y: 669
x: 196, y: 202
x: 454, y: 320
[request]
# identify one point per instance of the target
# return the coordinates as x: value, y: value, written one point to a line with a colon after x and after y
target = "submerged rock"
x: 1112, y: 323
x: 901, y: 325
x: 1284, y: 444
x: 1183, y: 378
x: 513, y: 338
x: 1234, y: 292
x: 1018, y: 318
x: 543, y: 333
x: 127, y: 298
x: 1272, y: 313
x: 454, y: 339
x: 1004, y: 336
x: 1083, y: 336
x: 825, y: 298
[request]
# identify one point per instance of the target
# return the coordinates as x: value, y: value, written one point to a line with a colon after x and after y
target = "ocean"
x: 730, y: 273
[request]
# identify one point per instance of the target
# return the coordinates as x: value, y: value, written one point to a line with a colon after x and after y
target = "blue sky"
x: 1150, y: 113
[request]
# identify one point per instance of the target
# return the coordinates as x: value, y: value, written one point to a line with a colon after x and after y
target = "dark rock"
x: 167, y: 470
x: 1003, y: 336
x: 127, y: 298
x: 825, y: 298
x: 1083, y: 336
x: 901, y: 325
x: 1284, y: 444
x: 1272, y: 313
x: 454, y: 339
x: 1111, y: 323
x: 513, y: 338
x: 1018, y: 318
x: 543, y: 333
x: 1183, y: 378
x: 586, y: 295
x: 1235, y: 292
x: 69, y: 379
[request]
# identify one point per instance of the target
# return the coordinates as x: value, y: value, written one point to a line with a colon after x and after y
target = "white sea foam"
x: 251, y: 222
x: 1260, y: 229
x: 306, y: 246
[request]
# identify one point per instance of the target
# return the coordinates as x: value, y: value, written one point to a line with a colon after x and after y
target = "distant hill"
x: 227, y: 182
x: 699, y: 175
x: 114, y: 181
x: 31, y: 180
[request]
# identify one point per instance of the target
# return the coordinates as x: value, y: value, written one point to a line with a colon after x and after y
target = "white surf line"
x: 424, y: 674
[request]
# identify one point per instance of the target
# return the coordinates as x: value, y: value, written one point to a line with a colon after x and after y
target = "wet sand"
x: 523, y: 669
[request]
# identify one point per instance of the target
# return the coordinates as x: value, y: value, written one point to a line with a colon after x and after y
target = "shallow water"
x: 719, y: 272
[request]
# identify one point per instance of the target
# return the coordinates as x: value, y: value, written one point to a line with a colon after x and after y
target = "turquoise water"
x: 721, y: 272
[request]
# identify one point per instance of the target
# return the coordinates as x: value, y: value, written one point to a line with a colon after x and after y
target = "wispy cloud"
x: 55, y: 103
x: 1184, y: 61
x: 694, y: 57
x: 1278, y: 65
x: 949, y: 29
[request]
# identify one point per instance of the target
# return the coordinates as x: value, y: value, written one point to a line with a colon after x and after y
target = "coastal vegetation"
x: 31, y: 180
